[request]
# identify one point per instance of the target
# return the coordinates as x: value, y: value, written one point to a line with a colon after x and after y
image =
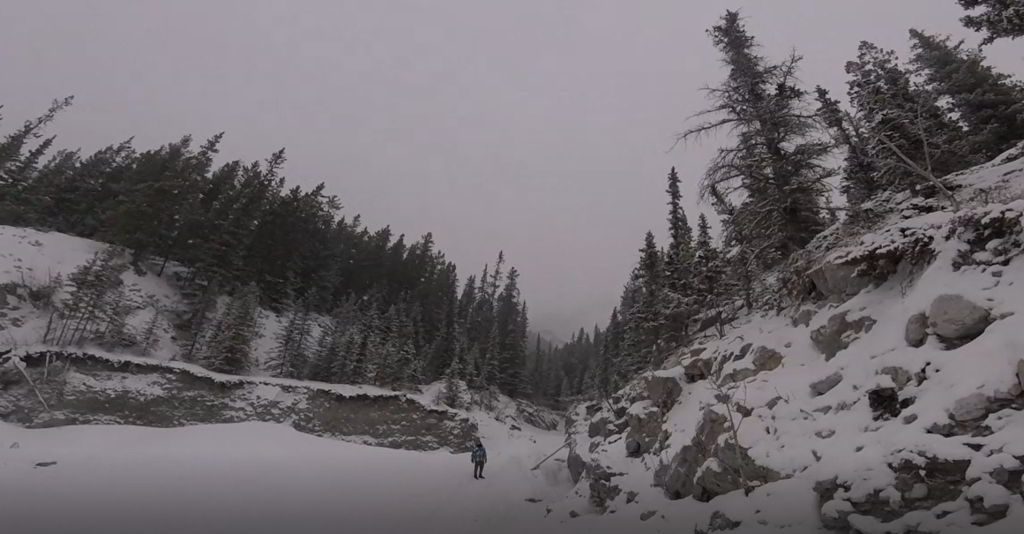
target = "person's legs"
x: 477, y: 470
x: 481, y: 464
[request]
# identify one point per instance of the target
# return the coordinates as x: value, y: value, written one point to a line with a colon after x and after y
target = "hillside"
x: 891, y: 401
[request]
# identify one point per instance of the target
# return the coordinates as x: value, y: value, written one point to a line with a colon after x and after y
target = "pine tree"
x: 452, y: 391
x: 902, y: 120
x: 988, y: 103
x: 645, y: 322
x: 294, y: 348
x: 149, y: 341
x: 678, y: 261
x: 709, y: 272
x: 230, y: 346
x: 607, y: 377
x: 998, y: 19
x: 775, y: 167
x: 96, y: 305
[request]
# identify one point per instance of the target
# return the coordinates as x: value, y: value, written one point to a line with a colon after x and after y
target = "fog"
x: 544, y: 129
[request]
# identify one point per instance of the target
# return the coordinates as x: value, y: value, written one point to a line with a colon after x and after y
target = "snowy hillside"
x: 889, y: 400
x: 31, y: 261
x: 893, y: 404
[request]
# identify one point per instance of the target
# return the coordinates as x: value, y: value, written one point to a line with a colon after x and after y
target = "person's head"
x: 478, y: 444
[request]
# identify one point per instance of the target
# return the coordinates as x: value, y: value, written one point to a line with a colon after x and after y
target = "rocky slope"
x: 888, y: 400
x: 83, y: 388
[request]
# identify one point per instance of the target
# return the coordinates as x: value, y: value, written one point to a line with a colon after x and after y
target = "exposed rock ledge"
x: 81, y: 388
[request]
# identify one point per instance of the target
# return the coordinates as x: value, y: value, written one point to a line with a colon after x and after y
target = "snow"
x: 33, y: 258
x: 256, y: 478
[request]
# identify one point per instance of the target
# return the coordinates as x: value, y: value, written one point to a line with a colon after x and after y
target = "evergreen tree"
x: 709, y: 272
x: 998, y: 19
x: 294, y: 348
x: 860, y: 178
x: 230, y: 346
x: 988, y: 103
x: 96, y: 307
x: 645, y: 322
x: 904, y: 124
x: 149, y: 341
x: 678, y: 261
x: 452, y: 391
x: 775, y: 167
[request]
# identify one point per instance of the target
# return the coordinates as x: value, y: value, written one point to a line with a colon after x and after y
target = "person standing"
x: 479, y: 458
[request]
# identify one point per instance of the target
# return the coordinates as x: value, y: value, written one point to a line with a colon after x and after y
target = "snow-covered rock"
x: 973, y: 406
x: 83, y: 388
x: 839, y: 332
x: 826, y: 384
x: 916, y: 332
x: 955, y: 317
x: 888, y: 432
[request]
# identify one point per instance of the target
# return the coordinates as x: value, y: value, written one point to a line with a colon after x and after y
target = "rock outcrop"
x: 838, y: 281
x: 82, y: 389
x: 707, y: 467
x: 838, y: 333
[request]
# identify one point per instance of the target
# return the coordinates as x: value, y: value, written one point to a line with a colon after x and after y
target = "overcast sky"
x: 539, y: 127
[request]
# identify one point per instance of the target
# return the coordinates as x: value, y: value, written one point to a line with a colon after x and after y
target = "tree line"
x: 360, y: 305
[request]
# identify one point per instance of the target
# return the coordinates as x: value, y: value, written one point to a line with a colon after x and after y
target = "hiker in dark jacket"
x: 479, y: 458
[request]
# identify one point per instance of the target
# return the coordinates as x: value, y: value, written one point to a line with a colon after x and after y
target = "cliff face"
x: 82, y: 388
x: 889, y: 400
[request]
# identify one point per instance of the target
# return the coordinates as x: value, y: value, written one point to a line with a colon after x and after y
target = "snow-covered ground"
x: 265, y: 478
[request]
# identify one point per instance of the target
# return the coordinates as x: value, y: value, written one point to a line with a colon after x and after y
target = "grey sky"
x: 535, y: 126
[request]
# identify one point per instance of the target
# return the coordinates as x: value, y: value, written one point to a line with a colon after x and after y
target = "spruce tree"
x: 905, y: 126
x: 998, y: 19
x: 645, y: 322
x: 989, y: 104
x: 230, y: 346
x: 294, y: 348
x: 149, y: 340
x: 771, y: 181
x: 678, y: 261
x: 452, y: 391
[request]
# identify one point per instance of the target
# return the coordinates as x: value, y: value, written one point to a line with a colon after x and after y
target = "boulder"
x: 647, y: 515
x: 744, y: 350
x: 955, y: 317
x: 663, y: 391
x: 696, y: 469
x: 576, y: 465
x: 969, y: 408
x: 598, y: 428
x: 696, y: 370
x: 721, y: 523
x: 1020, y: 373
x: 838, y: 333
x: 720, y: 475
x: 826, y: 384
x: 766, y: 359
x: 602, y: 491
x: 837, y: 281
x: 900, y: 376
x: 916, y: 332
x: 644, y: 431
x: 804, y: 317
